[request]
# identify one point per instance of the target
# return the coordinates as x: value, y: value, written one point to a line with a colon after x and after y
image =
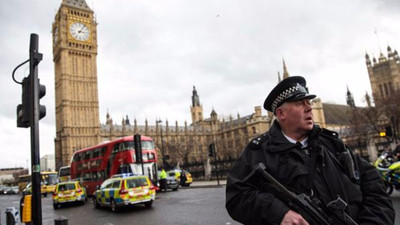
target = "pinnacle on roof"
x: 80, y: 4
x: 285, y: 72
x: 279, y: 77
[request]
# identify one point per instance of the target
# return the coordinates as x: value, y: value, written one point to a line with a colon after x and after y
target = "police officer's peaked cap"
x: 290, y: 89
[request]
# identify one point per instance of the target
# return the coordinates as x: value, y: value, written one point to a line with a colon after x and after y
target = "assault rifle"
x: 312, y: 210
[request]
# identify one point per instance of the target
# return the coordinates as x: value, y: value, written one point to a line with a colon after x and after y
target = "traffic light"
x: 24, y: 110
x: 32, y: 91
x: 138, y: 148
x: 41, y: 93
x: 211, y: 150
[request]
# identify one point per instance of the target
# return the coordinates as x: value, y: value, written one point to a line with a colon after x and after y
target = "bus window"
x: 84, y: 166
x: 49, y: 179
x: 76, y: 158
x: 88, y: 155
x: 64, y: 174
x: 147, y: 145
x: 101, y: 175
x: 98, y: 162
x: 87, y: 177
x: 121, y: 146
x: 115, y: 149
x: 103, y: 151
x: 79, y: 166
x: 96, y: 152
x: 125, y: 168
x: 94, y: 176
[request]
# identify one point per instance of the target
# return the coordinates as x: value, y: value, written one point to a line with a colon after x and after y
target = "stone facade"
x: 189, y: 143
x: 76, y: 94
x: 384, y: 73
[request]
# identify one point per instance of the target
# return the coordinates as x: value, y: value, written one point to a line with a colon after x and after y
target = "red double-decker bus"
x: 95, y: 164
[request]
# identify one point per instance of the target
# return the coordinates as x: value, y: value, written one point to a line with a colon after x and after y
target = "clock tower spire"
x: 196, y: 108
x: 76, y: 93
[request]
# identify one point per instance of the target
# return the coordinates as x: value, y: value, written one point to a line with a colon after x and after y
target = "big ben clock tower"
x: 76, y: 94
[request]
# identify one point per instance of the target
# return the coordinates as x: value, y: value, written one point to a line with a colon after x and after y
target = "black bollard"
x: 61, y: 221
x: 10, y: 220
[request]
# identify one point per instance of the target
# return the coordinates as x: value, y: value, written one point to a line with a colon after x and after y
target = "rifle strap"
x: 310, y: 182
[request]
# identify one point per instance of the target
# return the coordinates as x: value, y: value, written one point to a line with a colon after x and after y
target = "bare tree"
x: 375, y: 119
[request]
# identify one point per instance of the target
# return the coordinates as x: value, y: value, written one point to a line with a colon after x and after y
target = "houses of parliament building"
x: 77, y: 105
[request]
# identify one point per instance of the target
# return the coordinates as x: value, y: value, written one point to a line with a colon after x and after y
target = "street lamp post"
x: 214, y: 153
x: 162, y: 145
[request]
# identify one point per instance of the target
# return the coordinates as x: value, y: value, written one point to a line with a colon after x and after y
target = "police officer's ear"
x: 279, y: 113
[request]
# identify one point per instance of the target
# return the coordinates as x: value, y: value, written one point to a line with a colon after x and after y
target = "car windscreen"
x: 171, y: 174
x: 66, y: 187
x: 137, y: 182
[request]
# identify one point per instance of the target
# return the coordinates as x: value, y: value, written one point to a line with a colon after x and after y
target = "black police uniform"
x: 317, y: 171
x: 291, y: 166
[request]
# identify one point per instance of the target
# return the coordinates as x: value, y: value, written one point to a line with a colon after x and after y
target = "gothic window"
x: 385, y: 86
x: 84, y: 66
x: 230, y: 144
x: 76, y: 66
x: 381, y: 90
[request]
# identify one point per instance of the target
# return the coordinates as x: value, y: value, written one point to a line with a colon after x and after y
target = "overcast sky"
x: 152, y: 53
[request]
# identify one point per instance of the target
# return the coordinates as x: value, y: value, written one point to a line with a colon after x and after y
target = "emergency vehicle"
x: 177, y: 173
x: 67, y: 192
x: 123, y: 190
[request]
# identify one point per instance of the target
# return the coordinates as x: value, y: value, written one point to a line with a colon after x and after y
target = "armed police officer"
x: 305, y: 159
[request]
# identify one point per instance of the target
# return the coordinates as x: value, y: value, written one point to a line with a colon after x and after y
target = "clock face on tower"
x: 79, y: 31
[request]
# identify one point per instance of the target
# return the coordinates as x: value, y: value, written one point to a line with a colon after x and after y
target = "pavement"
x: 209, y: 183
